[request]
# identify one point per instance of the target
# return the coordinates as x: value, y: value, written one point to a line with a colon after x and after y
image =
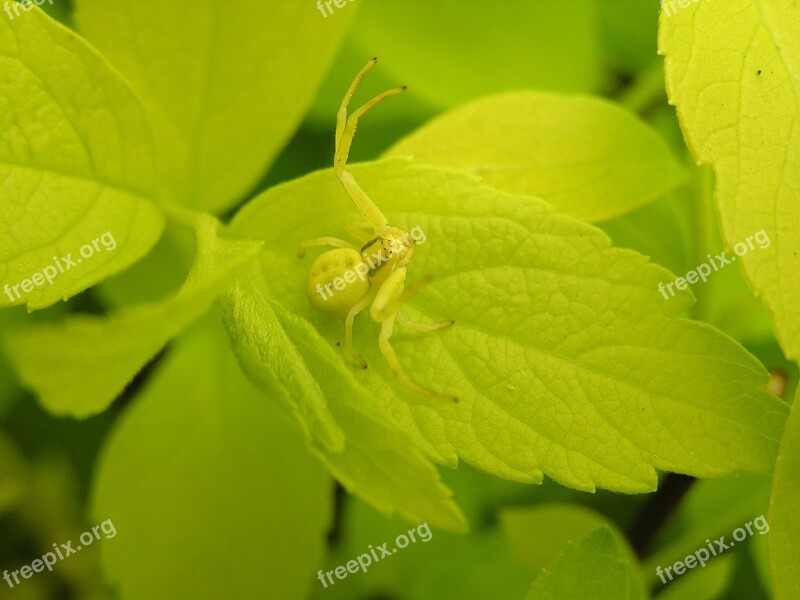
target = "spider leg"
x: 387, y: 328
x: 361, y: 231
x: 341, y: 115
x: 348, y: 329
x: 413, y: 325
x: 388, y: 299
x: 345, y: 132
x: 323, y: 241
x: 426, y: 327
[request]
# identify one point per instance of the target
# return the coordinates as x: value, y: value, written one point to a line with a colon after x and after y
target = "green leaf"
x: 76, y: 162
x: 733, y: 72
x: 758, y: 564
x: 211, y: 492
x: 60, y: 11
x: 524, y: 45
x: 268, y: 357
x: 537, y: 534
x: 679, y: 231
x: 227, y: 83
x: 61, y: 362
x: 13, y: 478
x: 708, y: 583
x: 703, y: 515
x: 628, y: 32
x: 661, y: 230
x: 159, y: 274
x: 9, y: 386
x: 50, y: 509
x: 784, y: 520
x: 10, y: 389
x: 287, y: 359
x: 539, y: 300
x: 437, y: 566
x: 595, y: 568
x: 478, y: 565
x: 586, y: 156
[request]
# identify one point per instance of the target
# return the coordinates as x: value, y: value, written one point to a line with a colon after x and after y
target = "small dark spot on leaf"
x: 758, y: 72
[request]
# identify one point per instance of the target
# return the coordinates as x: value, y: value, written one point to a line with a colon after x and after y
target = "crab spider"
x: 381, y: 286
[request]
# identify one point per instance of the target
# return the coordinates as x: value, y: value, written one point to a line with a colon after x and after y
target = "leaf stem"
x: 181, y: 216
x: 702, y: 183
x: 656, y: 511
x: 647, y: 89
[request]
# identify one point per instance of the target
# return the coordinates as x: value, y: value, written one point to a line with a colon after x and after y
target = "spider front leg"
x: 345, y: 132
x: 422, y: 327
x: 413, y: 325
x: 358, y: 231
x: 348, y: 329
x: 361, y: 231
x: 323, y: 241
x: 384, y: 310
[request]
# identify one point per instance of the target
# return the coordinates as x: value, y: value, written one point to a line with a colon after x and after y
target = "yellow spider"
x: 356, y: 279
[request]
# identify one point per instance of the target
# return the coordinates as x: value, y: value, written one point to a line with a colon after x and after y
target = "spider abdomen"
x: 337, y: 280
